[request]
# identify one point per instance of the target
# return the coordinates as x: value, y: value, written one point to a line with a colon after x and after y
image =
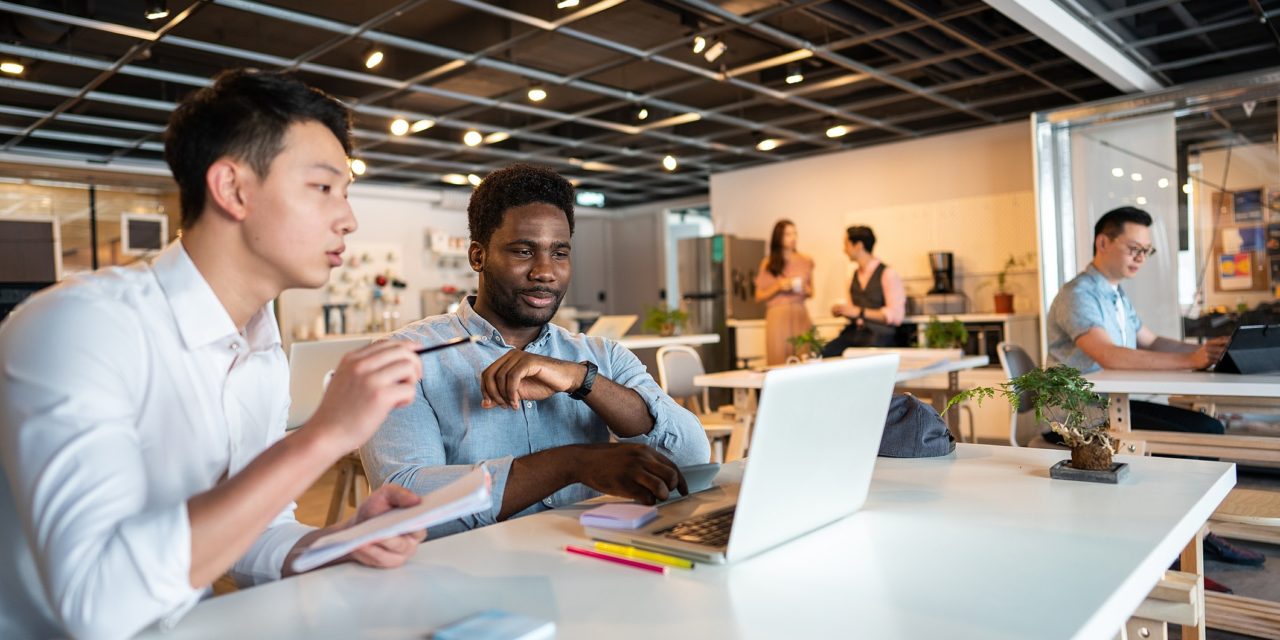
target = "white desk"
x: 1118, y: 385
x: 979, y: 545
x: 655, y: 341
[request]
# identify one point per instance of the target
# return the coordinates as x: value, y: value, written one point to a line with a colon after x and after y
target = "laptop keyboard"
x: 711, y: 529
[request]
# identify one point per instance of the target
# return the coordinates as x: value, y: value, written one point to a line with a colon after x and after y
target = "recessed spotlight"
x: 358, y: 166
x: 794, y: 74
x: 422, y: 125
x: 496, y: 136
x: 768, y: 144
x: 715, y: 51
x: 1135, y: 176
x: 567, y: 4
x: 669, y: 163
x: 642, y: 114
x: 1162, y: 183
x: 699, y: 44
x: 373, y: 57
x: 537, y: 94
x: 454, y: 178
x: 473, y: 179
x: 1141, y: 200
x: 12, y: 67
x: 1117, y: 172
x: 837, y: 131
x: 472, y: 138
x: 156, y: 9
x: 399, y: 126
x: 1186, y: 188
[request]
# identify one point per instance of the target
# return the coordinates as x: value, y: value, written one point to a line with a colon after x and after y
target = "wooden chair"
x: 346, y: 489
x: 677, y: 367
x: 1246, y: 514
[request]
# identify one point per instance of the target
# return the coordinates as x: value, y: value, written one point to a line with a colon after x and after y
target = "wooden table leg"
x: 1193, y: 562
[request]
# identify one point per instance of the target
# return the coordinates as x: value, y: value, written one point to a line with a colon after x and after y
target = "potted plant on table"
x: 808, y: 344
x: 1064, y: 401
x: 664, y: 321
x: 945, y: 335
x: 1003, y: 297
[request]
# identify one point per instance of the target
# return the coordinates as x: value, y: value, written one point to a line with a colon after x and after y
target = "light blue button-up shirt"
x: 445, y: 433
x: 1086, y: 302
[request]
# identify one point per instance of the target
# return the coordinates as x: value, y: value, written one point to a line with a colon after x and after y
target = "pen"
x: 604, y: 556
x: 641, y: 554
x: 449, y: 343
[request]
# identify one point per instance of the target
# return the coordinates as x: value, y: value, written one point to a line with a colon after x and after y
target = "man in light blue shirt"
x: 536, y: 404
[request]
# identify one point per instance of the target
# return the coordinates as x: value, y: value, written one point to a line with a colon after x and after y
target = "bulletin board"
x: 1246, y: 239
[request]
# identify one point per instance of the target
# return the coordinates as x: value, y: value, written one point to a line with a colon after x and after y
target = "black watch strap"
x: 581, y: 392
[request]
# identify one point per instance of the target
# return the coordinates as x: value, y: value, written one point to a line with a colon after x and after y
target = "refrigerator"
x: 717, y: 277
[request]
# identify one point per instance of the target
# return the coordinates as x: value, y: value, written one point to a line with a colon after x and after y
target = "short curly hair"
x: 515, y: 186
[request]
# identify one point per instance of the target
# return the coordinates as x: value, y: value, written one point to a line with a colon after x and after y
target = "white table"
x: 655, y: 341
x: 980, y: 545
x: 1119, y: 385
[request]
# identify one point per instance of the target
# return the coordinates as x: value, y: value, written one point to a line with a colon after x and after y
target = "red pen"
x: 630, y: 563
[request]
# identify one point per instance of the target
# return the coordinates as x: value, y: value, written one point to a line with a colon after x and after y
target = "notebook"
x: 816, y: 436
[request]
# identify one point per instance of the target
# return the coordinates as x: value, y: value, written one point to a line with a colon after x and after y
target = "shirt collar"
x: 200, y: 316
x: 1100, y: 281
x: 477, y: 326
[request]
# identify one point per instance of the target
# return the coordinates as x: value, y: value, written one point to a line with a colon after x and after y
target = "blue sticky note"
x: 618, y: 516
x: 495, y: 624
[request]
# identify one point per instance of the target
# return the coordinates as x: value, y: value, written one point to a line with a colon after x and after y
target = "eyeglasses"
x: 1137, y: 250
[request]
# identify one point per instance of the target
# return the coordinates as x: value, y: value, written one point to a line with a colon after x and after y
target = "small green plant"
x: 945, y: 335
x: 1063, y: 400
x: 1014, y: 262
x: 664, y: 321
x: 808, y: 343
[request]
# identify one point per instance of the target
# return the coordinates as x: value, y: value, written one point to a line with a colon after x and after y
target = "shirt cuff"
x: 499, y: 471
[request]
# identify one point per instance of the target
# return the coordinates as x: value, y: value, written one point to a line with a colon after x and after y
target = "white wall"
x: 969, y: 193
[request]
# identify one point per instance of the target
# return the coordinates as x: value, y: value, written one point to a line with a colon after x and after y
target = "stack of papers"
x: 462, y: 497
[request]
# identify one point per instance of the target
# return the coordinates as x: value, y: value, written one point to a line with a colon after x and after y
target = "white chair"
x: 678, y: 365
x: 1016, y: 361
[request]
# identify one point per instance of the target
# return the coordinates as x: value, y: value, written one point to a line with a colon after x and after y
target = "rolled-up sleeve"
x: 409, y: 450
x: 110, y: 565
x: 1077, y: 312
x: 676, y: 432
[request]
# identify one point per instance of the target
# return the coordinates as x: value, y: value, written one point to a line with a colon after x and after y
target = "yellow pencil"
x: 641, y: 554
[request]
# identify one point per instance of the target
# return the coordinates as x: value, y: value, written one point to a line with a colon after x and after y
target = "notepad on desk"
x: 465, y: 496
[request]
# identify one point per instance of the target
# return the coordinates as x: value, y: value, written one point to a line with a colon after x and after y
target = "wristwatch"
x: 581, y: 392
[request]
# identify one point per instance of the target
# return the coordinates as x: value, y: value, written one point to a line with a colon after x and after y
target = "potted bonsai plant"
x: 1003, y: 297
x: 664, y: 321
x: 1065, y: 401
x: 808, y: 344
x: 945, y: 335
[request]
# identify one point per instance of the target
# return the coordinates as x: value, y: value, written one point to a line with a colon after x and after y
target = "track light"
x: 422, y: 125
x: 1135, y: 176
x: 399, y: 126
x: 699, y: 44
x: 454, y: 178
x: 566, y: 4
x: 537, y: 93
x: 669, y: 163
x: 768, y: 144
x: 1162, y: 183
x: 837, y: 131
x: 472, y: 138
x: 642, y: 114
x: 372, y: 57
x: 794, y: 74
x: 1117, y: 172
x: 716, y: 50
x: 156, y: 9
x: 12, y: 67
x: 473, y: 179
x: 496, y: 136
x: 358, y: 167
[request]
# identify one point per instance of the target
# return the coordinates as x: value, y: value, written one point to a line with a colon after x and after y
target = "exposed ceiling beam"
x: 1058, y: 27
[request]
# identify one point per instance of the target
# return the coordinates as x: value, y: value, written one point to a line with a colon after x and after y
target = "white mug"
x: 797, y: 283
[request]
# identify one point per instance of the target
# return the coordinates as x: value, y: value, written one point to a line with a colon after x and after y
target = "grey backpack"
x: 913, y: 429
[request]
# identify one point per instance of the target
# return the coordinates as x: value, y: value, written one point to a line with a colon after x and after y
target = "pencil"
x: 624, y: 561
x: 642, y: 554
x: 449, y: 343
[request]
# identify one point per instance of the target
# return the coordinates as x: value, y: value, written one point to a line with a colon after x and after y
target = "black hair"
x: 515, y: 186
x: 776, y: 261
x: 865, y: 235
x: 1111, y: 224
x: 245, y: 115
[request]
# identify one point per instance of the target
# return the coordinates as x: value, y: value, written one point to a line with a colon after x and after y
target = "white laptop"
x: 813, y: 449
x: 611, y: 327
x: 309, y: 364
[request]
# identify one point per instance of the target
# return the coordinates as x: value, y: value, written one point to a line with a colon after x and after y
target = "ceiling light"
x: 472, y: 138
x: 399, y: 126
x: 669, y: 163
x: 1135, y: 176
x: 642, y: 114
x: 454, y: 178
x: 1117, y: 172
x: 358, y: 166
x: 715, y: 51
x: 1186, y: 188
x: 11, y: 67
x: 1141, y: 200
x: 837, y: 131
x: 496, y: 136
x: 537, y: 94
x: 794, y: 75
x: 156, y: 9
x: 473, y: 179
x: 566, y: 4
x: 372, y: 58
x: 768, y: 144
x: 699, y: 43
x: 1162, y: 183
x: 422, y: 125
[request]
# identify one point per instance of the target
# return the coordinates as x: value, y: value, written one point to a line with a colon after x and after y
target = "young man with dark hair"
x: 877, y: 300
x: 535, y: 403
x: 142, y: 408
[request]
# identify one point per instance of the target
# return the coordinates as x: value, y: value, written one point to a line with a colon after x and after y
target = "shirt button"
x: 528, y: 404
x: 235, y: 346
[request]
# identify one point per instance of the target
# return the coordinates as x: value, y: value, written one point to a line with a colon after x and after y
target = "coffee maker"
x: 941, y: 263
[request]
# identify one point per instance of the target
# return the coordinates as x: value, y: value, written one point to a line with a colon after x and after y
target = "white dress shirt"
x: 123, y: 393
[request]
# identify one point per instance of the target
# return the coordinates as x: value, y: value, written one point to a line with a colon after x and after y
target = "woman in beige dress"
x: 784, y: 281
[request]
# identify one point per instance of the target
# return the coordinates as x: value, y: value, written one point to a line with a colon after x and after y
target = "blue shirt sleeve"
x: 1080, y: 311
x: 676, y: 432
